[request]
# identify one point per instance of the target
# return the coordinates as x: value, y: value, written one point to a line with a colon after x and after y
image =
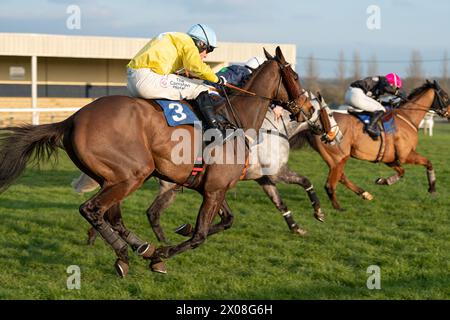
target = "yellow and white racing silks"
x: 151, y: 73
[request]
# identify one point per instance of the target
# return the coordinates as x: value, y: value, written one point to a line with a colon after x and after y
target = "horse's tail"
x: 20, y: 144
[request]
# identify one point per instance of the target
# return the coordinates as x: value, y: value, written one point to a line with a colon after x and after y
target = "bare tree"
x: 415, y: 70
x: 356, y: 66
x: 445, y: 70
x: 340, y: 72
x: 372, y: 67
x: 312, y: 73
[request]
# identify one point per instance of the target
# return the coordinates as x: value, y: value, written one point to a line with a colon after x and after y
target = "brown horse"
x: 121, y: 141
x: 400, y: 148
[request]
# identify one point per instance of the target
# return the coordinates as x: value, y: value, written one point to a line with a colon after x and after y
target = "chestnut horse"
x: 121, y: 142
x: 400, y: 148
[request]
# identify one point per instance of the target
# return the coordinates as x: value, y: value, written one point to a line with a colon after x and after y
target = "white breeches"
x: 358, y: 99
x: 147, y: 84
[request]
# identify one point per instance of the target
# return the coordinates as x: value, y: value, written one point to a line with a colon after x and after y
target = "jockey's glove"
x: 402, y: 95
x: 222, y: 81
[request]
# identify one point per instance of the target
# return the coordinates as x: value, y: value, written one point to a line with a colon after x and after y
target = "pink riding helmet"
x: 394, y: 80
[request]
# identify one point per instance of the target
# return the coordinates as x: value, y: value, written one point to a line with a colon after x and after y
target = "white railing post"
x: 34, y: 90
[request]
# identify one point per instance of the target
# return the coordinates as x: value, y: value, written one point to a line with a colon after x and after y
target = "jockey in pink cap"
x: 394, y: 80
x: 365, y: 95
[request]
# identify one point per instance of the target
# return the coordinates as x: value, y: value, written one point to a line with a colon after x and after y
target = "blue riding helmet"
x: 204, y: 34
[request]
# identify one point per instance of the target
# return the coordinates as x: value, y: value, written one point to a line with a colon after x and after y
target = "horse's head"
x: 290, y: 93
x: 441, y: 103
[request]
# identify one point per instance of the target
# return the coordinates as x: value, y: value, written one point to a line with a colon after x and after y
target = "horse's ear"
x: 268, y: 55
x: 280, y: 55
x: 319, y: 96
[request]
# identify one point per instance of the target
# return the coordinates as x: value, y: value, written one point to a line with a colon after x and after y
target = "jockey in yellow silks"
x: 152, y: 73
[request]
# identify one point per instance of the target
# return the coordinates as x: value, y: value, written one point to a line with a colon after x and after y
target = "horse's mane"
x: 417, y: 91
x: 253, y: 74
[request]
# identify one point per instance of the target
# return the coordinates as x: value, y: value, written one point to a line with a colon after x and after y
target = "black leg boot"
x: 372, y: 127
x: 212, y: 120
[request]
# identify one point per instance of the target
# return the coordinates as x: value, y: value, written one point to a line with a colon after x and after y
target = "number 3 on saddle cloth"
x: 177, y: 112
x: 387, y: 120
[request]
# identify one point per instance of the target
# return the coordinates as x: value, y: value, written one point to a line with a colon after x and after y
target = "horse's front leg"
x: 355, y: 188
x: 271, y: 191
x: 209, y: 208
x: 334, y: 175
x: 226, y: 220
x: 287, y: 175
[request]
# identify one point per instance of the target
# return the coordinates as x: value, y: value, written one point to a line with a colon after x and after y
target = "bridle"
x: 291, y: 105
x: 439, y: 104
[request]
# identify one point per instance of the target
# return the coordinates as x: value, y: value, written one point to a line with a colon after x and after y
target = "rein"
x: 290, y: 105
x: 423, y: 108
x: 426, y: 108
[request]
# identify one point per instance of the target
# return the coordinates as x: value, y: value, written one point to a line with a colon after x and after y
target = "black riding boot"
x: 212, y: 120
x: 372, y: 127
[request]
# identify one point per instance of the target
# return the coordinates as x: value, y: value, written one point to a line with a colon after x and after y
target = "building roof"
x: 68, y: 46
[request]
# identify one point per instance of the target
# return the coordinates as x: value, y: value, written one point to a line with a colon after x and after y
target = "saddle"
x: 182, y: 112
x: 386, y: 123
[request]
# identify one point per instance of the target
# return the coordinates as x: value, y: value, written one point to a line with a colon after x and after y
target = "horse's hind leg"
x: 415, y: 158
x: 93, y: 211
x: 287, y: 175
x: 166, y: 196
x: 113, y: 216
x: 394, y: 178
x: 356, y: 189
x: 271, y: 190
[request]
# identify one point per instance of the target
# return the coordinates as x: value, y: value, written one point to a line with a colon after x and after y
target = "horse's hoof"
x: 121, y: 268
x: 367, y: 196
x: 146, y: 250
x: 381, y: 181
x: 301, y: 232
x: 158, y: 266
x: 319, y: 215
x: 184, y: 230
x: 433, y: 193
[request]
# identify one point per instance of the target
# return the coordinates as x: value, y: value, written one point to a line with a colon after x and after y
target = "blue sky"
x: 319, y: 27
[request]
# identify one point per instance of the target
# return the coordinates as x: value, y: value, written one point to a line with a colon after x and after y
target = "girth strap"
x: 199, y: 167
x: 382, y: 144
x: 277, y: 133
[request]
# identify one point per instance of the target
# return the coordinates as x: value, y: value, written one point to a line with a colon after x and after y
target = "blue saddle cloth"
x: 388, y: 121
x: 177, y: 112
